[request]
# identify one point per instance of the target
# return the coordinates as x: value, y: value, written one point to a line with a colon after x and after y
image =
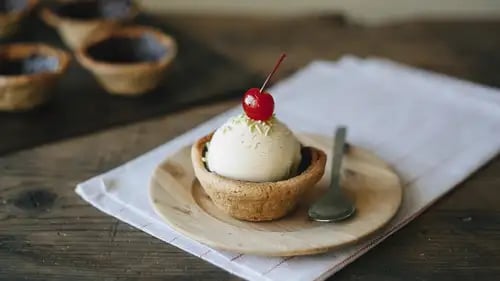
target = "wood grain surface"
x: 48, y: 233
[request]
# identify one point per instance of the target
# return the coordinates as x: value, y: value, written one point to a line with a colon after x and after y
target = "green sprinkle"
x: 259, y: 129
x: 266, y: 132
x: 262, y: 127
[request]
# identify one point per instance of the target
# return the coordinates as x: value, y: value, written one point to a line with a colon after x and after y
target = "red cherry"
x: 258, y: 105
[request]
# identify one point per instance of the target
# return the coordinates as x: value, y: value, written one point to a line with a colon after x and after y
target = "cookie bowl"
x: 12, y: 12
x: 28, y: 73
x: 76, y: 21
x: 258, y: 201
x: 130, y: 60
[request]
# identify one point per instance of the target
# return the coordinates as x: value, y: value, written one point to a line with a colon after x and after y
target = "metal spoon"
x: 334, y: 205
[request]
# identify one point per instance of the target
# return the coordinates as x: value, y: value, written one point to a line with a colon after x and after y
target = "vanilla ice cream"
x: 249, y: 150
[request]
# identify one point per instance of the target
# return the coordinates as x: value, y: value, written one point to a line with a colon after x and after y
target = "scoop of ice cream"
x: 257, y: 151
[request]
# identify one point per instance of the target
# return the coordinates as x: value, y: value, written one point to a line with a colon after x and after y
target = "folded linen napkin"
x: 433, y: 129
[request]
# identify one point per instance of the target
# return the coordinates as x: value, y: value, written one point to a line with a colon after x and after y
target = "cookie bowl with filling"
x: 76, y: 21
x: 28, y: 74
x: 12, y: 13
x: 130, y: 60
x: 258, y: 201
x: 255, y: 170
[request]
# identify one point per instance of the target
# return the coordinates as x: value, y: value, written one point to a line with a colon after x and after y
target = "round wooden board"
x: 180, y: 200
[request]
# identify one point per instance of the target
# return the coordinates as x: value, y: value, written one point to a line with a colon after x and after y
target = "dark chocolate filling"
x: 7, y: 6
x: 145, y: 48
x: 30, y: 65
x: 84, y: 10
x: 305, y: 162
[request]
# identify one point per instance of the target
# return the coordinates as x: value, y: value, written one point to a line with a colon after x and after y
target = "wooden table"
x: 48, y: 233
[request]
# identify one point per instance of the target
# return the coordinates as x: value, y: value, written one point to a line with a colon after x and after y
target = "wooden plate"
x: 180, y: 200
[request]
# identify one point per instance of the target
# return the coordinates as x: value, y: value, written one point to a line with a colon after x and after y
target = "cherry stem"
x: 282, y: 57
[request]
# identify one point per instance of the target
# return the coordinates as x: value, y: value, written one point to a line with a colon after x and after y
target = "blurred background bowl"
x: 12, y: 12
x: 129, y: 60
x: 75, y: 21
x: 28, y: 72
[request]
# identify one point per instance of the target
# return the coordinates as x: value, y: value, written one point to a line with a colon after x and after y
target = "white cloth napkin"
x: 434, y: 130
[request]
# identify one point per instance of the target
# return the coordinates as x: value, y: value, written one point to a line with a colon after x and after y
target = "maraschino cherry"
x: 259, y: 105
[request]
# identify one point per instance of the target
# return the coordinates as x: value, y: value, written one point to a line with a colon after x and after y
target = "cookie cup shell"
x: 10, y: 21
x: 26, y: 91
x: 129, y: 79
x: 257, y: 201
x: 74, y: 31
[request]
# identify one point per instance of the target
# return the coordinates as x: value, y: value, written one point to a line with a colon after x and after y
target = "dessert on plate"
x: 253, y: 167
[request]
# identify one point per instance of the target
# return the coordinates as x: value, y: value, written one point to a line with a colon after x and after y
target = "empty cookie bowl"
x: 28, y: 73
x: 130, y: 60
x: 76, y: 21
x: 258, y: 201
x: 12, y: 12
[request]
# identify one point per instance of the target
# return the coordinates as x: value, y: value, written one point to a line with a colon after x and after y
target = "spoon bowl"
x: 334, y: 205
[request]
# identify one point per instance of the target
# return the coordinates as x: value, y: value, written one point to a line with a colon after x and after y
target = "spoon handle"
x: 338, y: 152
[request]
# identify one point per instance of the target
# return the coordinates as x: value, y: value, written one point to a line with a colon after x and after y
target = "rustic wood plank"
x: 48, y: 233
x: 466, y: 49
